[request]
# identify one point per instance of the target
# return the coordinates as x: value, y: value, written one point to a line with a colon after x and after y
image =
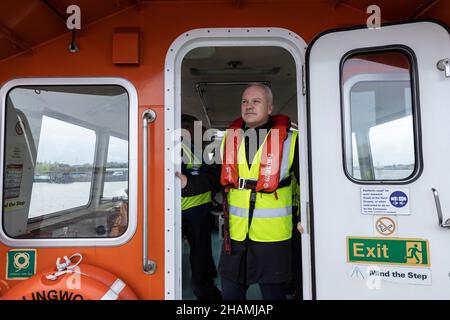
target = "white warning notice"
x: 400, y: 275
x: 385, y: 201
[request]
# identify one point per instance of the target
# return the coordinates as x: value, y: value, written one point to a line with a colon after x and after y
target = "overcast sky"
x: 71, y: 144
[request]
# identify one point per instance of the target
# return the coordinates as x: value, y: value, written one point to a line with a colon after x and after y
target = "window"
x: 379, y: 117
x: 116, y: 177
x: 63, y: 167
x: 64, y: 148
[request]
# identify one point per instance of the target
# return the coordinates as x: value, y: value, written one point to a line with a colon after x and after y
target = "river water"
x: 52, y: 197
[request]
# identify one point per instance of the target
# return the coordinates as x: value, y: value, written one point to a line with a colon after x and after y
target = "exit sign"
x: 395, y: 251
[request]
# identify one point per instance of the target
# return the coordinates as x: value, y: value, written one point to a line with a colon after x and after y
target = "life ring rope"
x: 66, y: 267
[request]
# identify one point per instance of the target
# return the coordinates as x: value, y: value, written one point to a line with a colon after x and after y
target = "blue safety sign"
x: 398, y: 199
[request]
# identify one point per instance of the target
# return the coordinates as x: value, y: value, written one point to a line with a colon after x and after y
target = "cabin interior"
x: 212, y: 82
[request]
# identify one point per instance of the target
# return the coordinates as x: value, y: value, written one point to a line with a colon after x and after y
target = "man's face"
x: 255, y: 106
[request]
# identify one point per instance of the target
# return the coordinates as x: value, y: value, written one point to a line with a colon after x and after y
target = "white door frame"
x: 224, y: 37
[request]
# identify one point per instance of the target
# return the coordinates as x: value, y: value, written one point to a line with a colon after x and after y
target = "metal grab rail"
x: 439, y: 210
x: 149, y: 266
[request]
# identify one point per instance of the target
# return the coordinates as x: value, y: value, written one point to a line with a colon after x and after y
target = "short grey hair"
x: 266, y: 89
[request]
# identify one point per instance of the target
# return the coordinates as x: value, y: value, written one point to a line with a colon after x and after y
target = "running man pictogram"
x: 412, y: 253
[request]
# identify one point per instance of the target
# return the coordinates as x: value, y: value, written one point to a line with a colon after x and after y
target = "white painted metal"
x: 337, y: 199
x: 239, y: 37
x: 133, y: 158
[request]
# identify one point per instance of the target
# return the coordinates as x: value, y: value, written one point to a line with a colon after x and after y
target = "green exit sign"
x: 396, y: 251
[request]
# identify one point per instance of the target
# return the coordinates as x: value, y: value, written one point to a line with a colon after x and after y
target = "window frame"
x: 415, y: 110
x: 215, y: 37
x: 107, y: 153
x: 132, y: 161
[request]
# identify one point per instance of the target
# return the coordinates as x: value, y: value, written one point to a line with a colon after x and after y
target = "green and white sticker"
x: 20, y: 264
x: 388, y: 251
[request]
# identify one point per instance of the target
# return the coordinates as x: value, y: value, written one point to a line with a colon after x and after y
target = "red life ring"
x: 86, y: 282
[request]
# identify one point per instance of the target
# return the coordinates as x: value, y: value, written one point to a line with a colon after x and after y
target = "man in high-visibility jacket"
x: 258, y: 192
x: 198, y: 180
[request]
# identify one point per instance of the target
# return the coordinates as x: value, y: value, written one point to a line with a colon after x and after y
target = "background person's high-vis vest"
x: 272, y: 216
x: 192, y: 165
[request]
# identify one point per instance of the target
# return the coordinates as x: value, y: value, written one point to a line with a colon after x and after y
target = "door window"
x: 378, y: 111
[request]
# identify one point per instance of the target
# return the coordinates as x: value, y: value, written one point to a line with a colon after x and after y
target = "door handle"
x: 148, y: 266
x: 444, y: 65
x: 439, y: 210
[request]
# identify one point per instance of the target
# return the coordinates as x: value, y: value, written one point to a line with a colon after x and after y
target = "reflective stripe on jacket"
x: 193, y: 164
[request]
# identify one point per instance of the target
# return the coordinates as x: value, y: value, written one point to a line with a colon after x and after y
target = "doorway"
x: 207, y: 79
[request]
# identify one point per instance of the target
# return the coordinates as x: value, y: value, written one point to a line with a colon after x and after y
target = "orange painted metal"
x: 126, y: 46
x: 160, y: 23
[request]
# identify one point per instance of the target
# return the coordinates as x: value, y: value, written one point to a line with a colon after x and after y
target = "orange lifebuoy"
x: 86, y: 282
x: 110, y: 280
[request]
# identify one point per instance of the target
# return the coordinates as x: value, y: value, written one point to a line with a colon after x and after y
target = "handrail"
x: 439, y: 210
x: 149, y: 266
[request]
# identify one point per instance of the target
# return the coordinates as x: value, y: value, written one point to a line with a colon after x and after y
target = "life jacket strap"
x: 226, y: 222
x: 251, y: 184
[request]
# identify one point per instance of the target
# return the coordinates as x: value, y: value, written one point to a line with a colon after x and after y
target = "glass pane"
x: 61, y: 143
x: 379, y: 124
x: 63, y: 167
x: 116, y: 178
x: 392, y: 149
x: 356, y: 172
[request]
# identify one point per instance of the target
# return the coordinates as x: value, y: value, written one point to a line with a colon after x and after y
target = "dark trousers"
x: 197, y: 229
x: 232, y: 290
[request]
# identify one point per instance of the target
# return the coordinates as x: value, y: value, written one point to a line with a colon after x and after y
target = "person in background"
x: 198, y: 181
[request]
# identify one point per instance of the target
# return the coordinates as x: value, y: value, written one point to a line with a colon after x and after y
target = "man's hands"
x: 300, y: 228
x: 183, y: 179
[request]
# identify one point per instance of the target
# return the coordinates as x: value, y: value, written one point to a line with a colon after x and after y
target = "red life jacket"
x: 269, y: 171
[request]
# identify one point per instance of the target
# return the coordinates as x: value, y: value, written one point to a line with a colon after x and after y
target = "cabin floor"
x: 253, y: 292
